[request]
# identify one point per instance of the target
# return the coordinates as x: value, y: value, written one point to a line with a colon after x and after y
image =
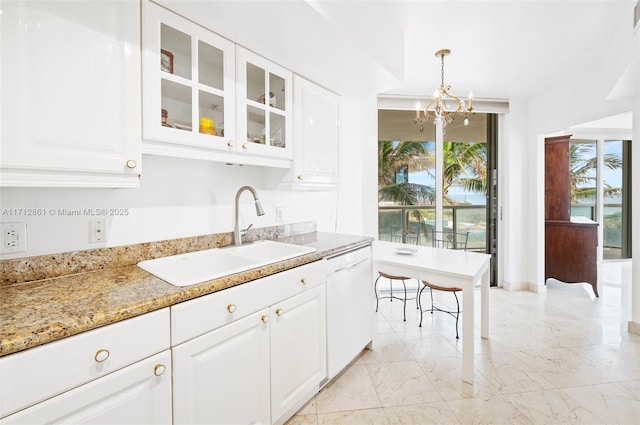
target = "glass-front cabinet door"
x: 188, y: 87
x: 264, y: 99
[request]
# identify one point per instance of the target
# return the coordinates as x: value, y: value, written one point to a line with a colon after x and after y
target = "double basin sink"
x: 201, y: 266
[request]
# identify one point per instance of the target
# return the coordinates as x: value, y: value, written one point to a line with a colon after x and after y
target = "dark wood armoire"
x: 570, y: 243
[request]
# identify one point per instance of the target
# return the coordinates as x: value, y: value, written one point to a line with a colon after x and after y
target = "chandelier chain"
x: 442, y: 70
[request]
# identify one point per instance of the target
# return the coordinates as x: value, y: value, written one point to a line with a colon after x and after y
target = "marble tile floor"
x: 562, y: 357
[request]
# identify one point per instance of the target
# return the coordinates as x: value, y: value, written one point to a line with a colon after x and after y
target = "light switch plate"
x: 97, y: 230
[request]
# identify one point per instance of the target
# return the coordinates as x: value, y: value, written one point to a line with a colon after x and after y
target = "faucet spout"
x: 237, y: 233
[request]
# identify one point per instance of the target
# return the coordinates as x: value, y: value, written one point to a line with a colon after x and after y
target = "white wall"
x: 634, y: 325
x: 359, y: 195
x: 177, y: 198
x: 513, y: 153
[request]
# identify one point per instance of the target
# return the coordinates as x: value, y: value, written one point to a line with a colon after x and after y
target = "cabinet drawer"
x: 199, y: 316
x: 39, y: 373
x: 136, y: 394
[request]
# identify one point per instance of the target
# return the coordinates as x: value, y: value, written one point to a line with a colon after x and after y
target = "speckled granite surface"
x: 29, y: 269
x: 36, y: 312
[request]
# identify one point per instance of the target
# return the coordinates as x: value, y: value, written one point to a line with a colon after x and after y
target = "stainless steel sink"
x: 200, y: 266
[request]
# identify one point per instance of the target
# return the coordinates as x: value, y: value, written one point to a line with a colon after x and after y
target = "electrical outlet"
x: 97, y: 230
x: 280, y: 214
x: 14, y: 238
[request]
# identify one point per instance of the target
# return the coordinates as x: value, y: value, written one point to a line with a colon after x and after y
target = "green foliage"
x: 583, y: 176
x: 391, y: 157
x: 465, y: 166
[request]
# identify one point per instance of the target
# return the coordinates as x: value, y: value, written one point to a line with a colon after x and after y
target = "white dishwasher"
x: 350, y: 307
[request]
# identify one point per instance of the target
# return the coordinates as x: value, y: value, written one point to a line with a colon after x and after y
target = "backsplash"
x: 28, y: 269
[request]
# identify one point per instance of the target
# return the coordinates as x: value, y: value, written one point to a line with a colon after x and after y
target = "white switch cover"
x: 14, y: 238
x: 97, y: 230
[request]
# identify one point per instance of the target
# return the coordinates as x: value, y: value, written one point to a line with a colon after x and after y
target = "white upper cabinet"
x: 188, y: 87
x: 200, y: 102
x: 264, y: 97
x: 317, y: 135
x: 70, y: 104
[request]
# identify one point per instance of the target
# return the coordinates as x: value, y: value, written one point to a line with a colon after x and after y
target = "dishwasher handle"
x: 350, y: 266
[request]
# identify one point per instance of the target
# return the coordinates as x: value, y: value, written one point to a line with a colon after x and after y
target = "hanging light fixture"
x: 440, y: 109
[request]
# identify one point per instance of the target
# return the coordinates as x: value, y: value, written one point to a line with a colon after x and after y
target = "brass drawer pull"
x: 159, y: 369
x: 264, y: 318
x: 101, y: 355
x: 279, y: 311
x: 231, y: 308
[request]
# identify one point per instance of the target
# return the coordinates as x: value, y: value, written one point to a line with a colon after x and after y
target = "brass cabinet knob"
x: 159, y: 369
x: 279, y: 311
x: 299, y: 177
x: 101, y: 355
x: 230, y: 144
x: 231, y: 308
x: 244, y: 146
x: 303, y: 280
x: 264, y: 318
x: 131, y: 164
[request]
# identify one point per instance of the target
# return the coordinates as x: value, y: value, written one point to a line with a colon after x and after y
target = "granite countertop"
x: 42, y: 311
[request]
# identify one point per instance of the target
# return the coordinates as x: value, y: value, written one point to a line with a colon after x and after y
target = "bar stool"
x: 447, y: 240
x: 391, y: 296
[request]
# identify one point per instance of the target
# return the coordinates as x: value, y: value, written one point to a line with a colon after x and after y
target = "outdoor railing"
x: 415, y: 224
x: 612, y: 222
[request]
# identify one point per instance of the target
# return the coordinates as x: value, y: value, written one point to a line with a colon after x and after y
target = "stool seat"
x: 391, y: 276
x: 448, y: 240
x: 391, y: 296
x: 442, y: 288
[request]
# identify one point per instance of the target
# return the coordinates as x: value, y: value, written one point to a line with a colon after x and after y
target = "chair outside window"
x: 448, y: 240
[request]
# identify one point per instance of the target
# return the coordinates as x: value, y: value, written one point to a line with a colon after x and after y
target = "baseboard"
x: 516, y: 286
x: 633, y: 327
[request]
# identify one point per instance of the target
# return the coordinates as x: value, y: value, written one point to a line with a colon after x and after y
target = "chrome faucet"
x: 237, y: 233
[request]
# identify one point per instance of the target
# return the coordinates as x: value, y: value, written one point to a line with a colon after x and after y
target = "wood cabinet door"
x: 557, y: 179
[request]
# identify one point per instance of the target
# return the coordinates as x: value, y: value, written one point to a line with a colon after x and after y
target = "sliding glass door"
x: 600, y: 191
x: 432, y: 179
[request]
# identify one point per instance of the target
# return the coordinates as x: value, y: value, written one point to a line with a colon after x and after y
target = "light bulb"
x: 466, y: 121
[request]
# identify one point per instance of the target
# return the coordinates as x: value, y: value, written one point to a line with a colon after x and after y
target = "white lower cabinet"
x: 298, y: 352
x: 258, y: 368
x: 137, y: 394
x: 116, y: 374
x: 223, y: 377
x: 251, y: 354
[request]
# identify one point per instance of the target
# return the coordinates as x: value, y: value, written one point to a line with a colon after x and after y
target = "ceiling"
x: 500, y: 49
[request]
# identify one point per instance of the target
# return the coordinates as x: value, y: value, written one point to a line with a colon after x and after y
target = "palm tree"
x: 465, y: 166
x: 582, y: 172
x: 392, y: 156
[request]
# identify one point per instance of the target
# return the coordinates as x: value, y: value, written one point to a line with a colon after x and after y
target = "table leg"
x: 467, y: 334
x: 484, y: 308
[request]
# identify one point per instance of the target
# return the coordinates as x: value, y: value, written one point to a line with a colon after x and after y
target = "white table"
x: 445, y: 267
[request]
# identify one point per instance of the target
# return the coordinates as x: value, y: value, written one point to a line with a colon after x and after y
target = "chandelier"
x: 440, y: 109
